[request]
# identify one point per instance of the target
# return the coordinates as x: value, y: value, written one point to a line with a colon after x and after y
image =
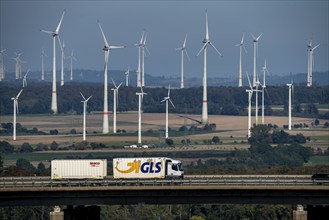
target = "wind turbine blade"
x: 188, y: 57
x: 169, y: 91
x: 207, y: 31
x: 257, y: 39
x: 245, y: 50
x: 315, y: 47
x: 114, y: 83
x: 88, y: 98
x: 253, y: 37
x: 184, y: 44
x: 19, y: 94
x: 27, y: 72
x: 215, y: 49
x: 171, y: 103
x: 141, y: 41
x: 249, y: 80
x: 119, y: 85
x: 147, y: 50
x: 48, y: 32
x: 60, y: 22
x: 105, y: 41
x: 242, y: 39
x: 203, y: 47
x: 83, y: 96
x: 60, y: 43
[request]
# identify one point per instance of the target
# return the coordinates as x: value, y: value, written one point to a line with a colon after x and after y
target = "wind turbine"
x: 250, y: 91
x: 62, y: 45
x: 84, y: 115
x: 15, y: 99
x: 2, y: 66
x: 106, y: 49
x: 54, y: 90
x: 139, y: 45
x: 206, y: 42
x: 127, y: 77
x: 167, y: 99
x: 115, y: 104
x: 182, y: 49
x: 143, y: 59
x: 42, y: 64
x: 18, y: 69
x: 291, y: 88
x: 255, y: 40
x: 240, y: 63
x: 264, y: 70
x: 310, y: 56
x: 140, y: 100
x: 71, y: 57
x: 24, y: 78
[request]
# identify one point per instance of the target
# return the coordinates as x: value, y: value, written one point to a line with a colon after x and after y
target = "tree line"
x: 36, y: 99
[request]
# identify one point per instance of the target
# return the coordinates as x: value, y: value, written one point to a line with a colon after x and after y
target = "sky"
x: 286, y: 26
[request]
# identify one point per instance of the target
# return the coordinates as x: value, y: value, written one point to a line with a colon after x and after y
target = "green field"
x: 318, y: 160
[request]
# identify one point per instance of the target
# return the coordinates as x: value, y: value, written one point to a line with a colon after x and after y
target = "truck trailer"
x: 79, y: 169
x: 147, y: 168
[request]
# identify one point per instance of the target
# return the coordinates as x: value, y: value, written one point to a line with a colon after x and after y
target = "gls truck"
x: 147, y: 168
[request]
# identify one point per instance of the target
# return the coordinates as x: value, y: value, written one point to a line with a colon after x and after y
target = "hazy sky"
x: 285, y: 25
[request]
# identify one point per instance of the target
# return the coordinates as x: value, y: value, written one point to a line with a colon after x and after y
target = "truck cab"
x: 174, y: 169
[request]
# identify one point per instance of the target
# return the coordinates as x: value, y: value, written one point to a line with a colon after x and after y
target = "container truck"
x: 79, y: 169
x: 147, y: 168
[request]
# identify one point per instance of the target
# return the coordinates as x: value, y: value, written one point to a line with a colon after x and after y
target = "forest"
x: 36, y: 99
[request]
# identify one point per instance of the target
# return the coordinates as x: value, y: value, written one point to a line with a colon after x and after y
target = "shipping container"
x: 147, y: 168
x: 79, y: 169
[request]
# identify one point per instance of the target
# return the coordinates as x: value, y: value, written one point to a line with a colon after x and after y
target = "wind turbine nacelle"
x: 205, y: 41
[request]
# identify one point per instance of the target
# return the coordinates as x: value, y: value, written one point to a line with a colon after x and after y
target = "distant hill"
x: 95, y: 76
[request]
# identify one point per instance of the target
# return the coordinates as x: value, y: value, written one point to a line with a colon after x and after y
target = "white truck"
x: 147, y: 168
x: 79, y: 169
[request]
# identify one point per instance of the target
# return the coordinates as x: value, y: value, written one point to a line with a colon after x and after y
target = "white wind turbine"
x: 139, y: 45
x: 24, y: 78
x: 2, y: 66
x: 18, y: 69
x: 143, y: 59
x: 182, y: 49
x: 167, y: 99
x: 71, y: 57
x: 240, y: 63
x: 106, y: 49
x: 206, y: 42
x: 84, y: 115
x: 127, y: 77
x: 54, y: 90
x: 249, y: 91
x: 62, y: 45
x: 115, y: 104
x: 264, y: 70
x: 15, y: 100
x: 140, y: 100
x: 291, y: 88
x: 256, y: 100
x: 42, y: 64
x: 255, y: 40
x: 310, y: 56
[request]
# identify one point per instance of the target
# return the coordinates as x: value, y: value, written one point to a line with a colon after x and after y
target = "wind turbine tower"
x: 310, y: 56
x: 255, y: 40
x: 167, y: 99
x: 264, y: 70
x: 290, y: 86
x: 249, y: 91
x: 84, y: 115
x: 115, y: 105
x: 127, y: 77
x: 240, y: 63
x: 2, y: 66
x: 18, y: 69
x: 15, y: 100
x: 206, y: 42
x: 139, y: 45
x: 62, y: 45
x: 182, y: 49
x: 42, y: 65
x: 140, y: 100
x: 54, y: 90
x: 71, y: 57
x: 106, y: 49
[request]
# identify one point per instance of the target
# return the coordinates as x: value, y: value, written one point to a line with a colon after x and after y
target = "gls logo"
x: 136, y: 166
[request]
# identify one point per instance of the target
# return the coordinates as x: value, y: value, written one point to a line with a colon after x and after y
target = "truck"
x: 147, y: 168
x: 79, y: 169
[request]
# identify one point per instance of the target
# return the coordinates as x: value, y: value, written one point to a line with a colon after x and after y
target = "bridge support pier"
x: 315, y: 212
x: 300, y: 213
x: 82, y: 213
